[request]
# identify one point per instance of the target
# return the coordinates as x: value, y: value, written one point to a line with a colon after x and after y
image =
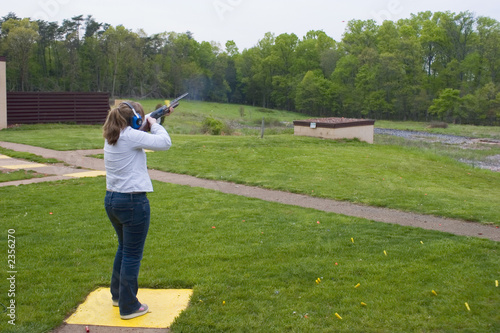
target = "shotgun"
x: 162, y: 111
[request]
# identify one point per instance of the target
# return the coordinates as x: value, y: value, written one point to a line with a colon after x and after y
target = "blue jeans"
x: 130, y: 215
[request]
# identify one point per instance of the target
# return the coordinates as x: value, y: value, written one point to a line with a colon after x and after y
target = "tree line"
x: 431, y: 66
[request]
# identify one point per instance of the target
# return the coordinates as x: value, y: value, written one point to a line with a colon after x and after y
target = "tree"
x: 447, y: 105
x: 261, y: 71
x: 231, y: 48
x: 311, y: 49
x: 313, y: 95
x: 432, y: 39
x: 408, y: 74
x: 21, y: 38
x: 459, y: 29
x: 360, y: 35
x: 489, y: 46
x: 232, y: 76
x: 488, y: 107
x: 282, y: 60
x: 343, y: 85
x: 396, y: 70
x: 7, y: 17
x: 121, y: 52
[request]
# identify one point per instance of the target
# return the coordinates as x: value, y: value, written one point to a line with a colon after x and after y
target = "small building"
x: 336, y: 128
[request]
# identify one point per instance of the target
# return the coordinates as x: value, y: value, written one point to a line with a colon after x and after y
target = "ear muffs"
x: 136, y: 121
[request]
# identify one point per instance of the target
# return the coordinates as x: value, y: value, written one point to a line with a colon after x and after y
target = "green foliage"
x: 395, y: 70
x: 313, y: 95
x: 20, y: 40
x: 446, y: 106
x: 213, y: 126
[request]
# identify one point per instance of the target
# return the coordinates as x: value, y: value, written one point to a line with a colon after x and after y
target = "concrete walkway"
x: 79, y: 159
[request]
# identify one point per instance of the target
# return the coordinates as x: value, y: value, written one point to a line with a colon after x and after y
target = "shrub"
x: 215, y: 127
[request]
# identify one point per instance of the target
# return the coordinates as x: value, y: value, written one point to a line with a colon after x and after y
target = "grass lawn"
x: 387, y: 175
x: 9, y: 176
x: 378, y: 175
x: 256, y: 271
x: 55, y: 136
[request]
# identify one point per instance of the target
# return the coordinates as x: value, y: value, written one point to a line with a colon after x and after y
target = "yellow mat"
x: 86, y: 174
x: 164, y: 306
x: 4, y: 157
x: 24, y: 166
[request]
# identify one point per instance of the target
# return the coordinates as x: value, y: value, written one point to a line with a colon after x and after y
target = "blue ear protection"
x: 136, y: 121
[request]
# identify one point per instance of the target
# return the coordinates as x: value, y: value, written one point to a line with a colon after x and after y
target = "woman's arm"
x: 158, y: 139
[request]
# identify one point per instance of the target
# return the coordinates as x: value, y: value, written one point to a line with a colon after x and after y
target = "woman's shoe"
x: 115, y: 303
x: 142, y: 311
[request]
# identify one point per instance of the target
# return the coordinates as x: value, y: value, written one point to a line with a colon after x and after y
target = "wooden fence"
x: 56, y: 107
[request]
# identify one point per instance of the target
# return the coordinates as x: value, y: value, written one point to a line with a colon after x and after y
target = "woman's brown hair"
x: 119, y: 118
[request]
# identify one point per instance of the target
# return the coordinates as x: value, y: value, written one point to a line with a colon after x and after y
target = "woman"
x: 126, y: 203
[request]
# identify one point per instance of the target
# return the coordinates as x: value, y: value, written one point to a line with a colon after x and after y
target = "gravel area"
x: 491, y: 162
x: 430, y: 137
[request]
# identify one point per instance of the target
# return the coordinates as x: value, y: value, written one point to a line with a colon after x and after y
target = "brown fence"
x: 56, y: 107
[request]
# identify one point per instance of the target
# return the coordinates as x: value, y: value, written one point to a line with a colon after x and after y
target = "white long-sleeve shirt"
x: 126, y: 163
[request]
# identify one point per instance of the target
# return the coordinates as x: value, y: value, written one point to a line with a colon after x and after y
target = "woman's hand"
x: 170, y: 110
x: 151, y: 121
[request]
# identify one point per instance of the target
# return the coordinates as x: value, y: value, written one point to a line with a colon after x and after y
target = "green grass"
x: 18, y: 175
x: 262, y: 259
x: 56, y: 136
x: 403, y: 177
x: 377, y: 175
x: 27, y: 156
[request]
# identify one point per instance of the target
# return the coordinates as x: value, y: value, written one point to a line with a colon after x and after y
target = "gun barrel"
x: 179, y: 98
x: 163, y: 110
x: 158, y: 113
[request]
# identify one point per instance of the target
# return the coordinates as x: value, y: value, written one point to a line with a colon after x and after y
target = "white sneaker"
x: 142, y: 311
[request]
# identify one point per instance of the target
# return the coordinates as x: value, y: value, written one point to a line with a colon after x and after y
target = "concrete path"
x: 80, y: 159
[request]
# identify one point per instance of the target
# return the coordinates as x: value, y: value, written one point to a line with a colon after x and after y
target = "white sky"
x: 244, y: 21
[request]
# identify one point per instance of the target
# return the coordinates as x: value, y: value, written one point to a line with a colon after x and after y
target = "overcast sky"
x: 243, y: 21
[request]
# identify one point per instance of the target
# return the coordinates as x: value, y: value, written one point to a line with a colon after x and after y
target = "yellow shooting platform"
x: 164, y: 306
x: 24, y: 166
x: 83, y: 174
